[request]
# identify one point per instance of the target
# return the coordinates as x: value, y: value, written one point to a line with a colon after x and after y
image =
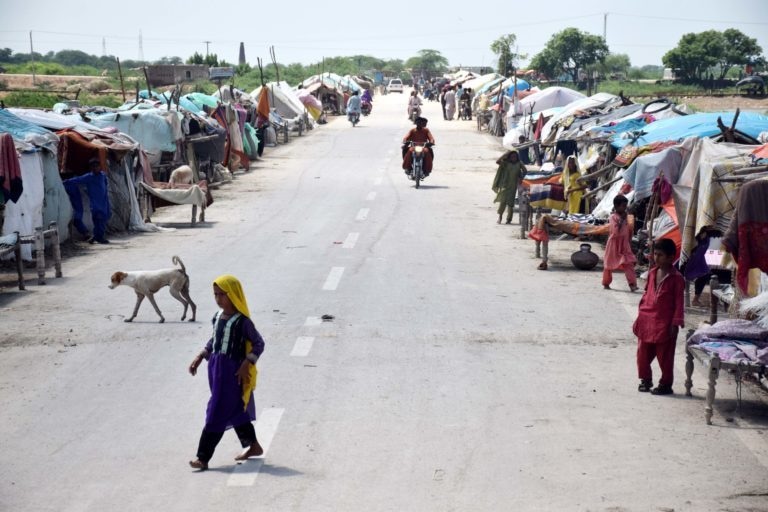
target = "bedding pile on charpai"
x: 734, y: 341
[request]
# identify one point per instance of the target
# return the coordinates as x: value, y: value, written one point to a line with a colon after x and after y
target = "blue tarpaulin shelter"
x: 695, y: 125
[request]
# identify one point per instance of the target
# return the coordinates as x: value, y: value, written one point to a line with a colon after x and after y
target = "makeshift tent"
x: 600, y: 100
x: 711, y: 200
x: 285, y: 102
x: 121, y: 159
x: 477, y: 82
x: 43, y: 199
x: 155, y: 130
x: 703, y: 124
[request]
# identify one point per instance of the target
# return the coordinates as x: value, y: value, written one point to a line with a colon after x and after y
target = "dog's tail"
x: 177, y: 261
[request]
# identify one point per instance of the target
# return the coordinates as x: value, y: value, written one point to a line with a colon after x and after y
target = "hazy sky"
x: 305, y: 31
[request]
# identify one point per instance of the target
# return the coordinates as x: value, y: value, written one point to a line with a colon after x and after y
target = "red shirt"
x: 661, y: 307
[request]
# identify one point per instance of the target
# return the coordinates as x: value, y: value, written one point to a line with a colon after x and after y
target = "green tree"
x: 196, y: 58
x: 615, y: 64
x: 507, y: 57
x: 6, y: 55
x: 393, y: 67
x: 75, y: 58
x: 695, y: 54
x: 546, y: 63
x: 427, y: 62
x: 169, y: 60
x: 739, y: 50
x: 573, y: 51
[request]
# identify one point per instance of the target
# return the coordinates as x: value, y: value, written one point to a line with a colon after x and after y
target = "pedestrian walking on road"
x: 659, y: 318
x: 232, y: 352
x: 618, y: 250
x: 508, y: 178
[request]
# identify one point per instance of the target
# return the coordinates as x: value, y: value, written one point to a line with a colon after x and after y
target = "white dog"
x: 182, y: 175
x: 147, y: 282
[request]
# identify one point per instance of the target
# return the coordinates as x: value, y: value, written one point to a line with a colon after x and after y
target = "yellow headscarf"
x: 231, y: 286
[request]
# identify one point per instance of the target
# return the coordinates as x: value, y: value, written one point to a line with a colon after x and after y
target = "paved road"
x: 453, y: 376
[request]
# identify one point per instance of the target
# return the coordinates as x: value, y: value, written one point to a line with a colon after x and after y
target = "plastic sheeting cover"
x: 149, y: 127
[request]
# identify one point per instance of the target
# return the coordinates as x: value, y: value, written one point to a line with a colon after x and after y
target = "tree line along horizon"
x: 570, y: 53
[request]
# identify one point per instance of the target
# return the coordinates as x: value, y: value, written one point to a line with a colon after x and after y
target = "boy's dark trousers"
x: 208, y: 440
x: 664, y: 352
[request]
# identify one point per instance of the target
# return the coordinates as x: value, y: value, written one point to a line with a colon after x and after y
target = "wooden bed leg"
x: 688, y: 373
x: 19, y: 263
x: 714, y: 372
x: 202, y: 214
x: 714, y: 284
x: 55, y: 248
x: 194, y: 214
x: 40, y: 254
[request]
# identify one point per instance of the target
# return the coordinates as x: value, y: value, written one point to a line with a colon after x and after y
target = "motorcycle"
x: 353, y: 117
x: 415, y: 112
x: 366, y: 107
x: 465, y: 112
x: 417, y: 162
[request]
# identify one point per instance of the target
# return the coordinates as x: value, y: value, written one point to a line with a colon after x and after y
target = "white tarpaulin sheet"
x: 27, y: 213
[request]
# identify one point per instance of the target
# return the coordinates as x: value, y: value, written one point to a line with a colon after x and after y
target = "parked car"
x: 395, y: 85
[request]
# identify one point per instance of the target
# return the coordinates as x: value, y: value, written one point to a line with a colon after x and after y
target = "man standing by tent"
x: 95, y: 182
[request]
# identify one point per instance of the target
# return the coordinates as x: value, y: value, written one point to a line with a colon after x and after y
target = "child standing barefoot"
x: 232, y: 352
x: 618, y: 251
x: 659, y: 318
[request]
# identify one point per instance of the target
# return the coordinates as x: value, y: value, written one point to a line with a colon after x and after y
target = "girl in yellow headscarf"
x: 573, y: 189
x: 232, y: 352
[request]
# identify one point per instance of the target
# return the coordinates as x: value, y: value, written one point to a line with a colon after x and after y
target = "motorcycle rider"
x: 366, y: 102
x: 418, y: 135
x: 353, y: 107
x: 465, y: 97
x: 414, y: 103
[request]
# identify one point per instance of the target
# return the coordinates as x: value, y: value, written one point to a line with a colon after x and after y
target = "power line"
x: 668, y: 18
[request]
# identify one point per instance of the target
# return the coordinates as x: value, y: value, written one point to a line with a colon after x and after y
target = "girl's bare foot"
x: 198, y: 464
x: 254, y: 450
x: 633, y: 287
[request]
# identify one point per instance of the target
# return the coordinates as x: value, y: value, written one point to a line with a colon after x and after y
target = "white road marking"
x: 350, y: 241
x: 313, y: 320
x: 363, y: 214
x: 378, y: 181
x: 371, y: 196
x: 332, y: 282
x: 245, y: 473
x: 302, y: 346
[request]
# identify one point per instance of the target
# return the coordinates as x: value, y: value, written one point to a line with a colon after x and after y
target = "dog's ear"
x: 118, y: 277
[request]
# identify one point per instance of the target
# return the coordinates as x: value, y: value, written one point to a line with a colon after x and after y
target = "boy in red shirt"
x: 659, y: 318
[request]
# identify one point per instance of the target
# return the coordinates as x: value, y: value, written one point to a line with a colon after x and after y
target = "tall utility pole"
x: 32, y: 54
x: 141, y: 48
x: 206, y: 47
x: 103, y: 46
x: 605, y: 27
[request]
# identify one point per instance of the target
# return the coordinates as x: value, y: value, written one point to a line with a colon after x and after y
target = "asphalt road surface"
x: 453, y: 375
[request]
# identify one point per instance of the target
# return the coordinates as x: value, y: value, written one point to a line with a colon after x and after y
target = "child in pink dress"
x: 618, y: 251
